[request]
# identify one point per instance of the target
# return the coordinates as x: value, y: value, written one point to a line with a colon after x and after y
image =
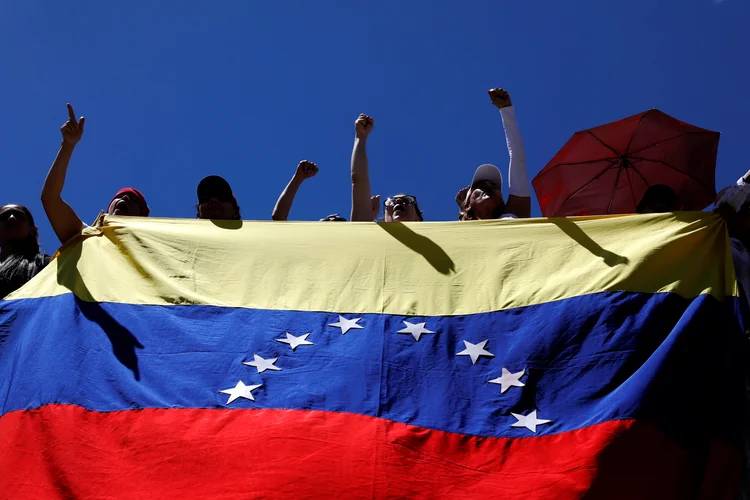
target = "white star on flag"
x: 475, y: 350
x: 415, y: 329
x: 347, y: 324
x: 262, y: 364
x: 295, y: 342
x: 529, y: 421
x: 508, y: 380
x: 240, y: 391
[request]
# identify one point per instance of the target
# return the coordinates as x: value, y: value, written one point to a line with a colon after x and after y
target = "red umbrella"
x: 607, y: 169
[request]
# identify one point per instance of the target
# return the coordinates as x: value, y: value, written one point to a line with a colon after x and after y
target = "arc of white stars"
x: 475, y: 351
x: 240, y: 391
x: 415, y: 329
x: 262, y: 364
x: 508, y: 380
x: 529, y: 421
x: 295, y: 342
x: 347, y: 324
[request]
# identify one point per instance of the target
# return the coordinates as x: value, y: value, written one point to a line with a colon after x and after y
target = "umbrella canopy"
x: 607, y: 169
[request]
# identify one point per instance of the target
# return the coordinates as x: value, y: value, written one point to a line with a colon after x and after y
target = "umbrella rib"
x: 632, y: 135
x: 603, y: 143
x: 683, y: 134
x: 635, y: 169
x: 587, y: 184
x: 640, y: 174
x: 690, y: 176
x: 614, y: 190
x: 630, y: 185
x: 542, y: 174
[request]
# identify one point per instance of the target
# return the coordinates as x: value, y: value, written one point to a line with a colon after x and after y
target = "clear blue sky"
x: 173, y: 91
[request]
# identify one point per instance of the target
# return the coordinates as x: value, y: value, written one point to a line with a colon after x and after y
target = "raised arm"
x: 362, y: 203
x: 63, y: 219
x: 305, y: 170
x: 519, y: 193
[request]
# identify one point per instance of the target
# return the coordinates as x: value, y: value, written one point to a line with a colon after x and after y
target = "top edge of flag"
x: 444, y: 268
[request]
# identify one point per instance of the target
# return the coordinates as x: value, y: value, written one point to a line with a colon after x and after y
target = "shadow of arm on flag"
x: 427, y: 248
x: 123, y: 341
x: 576, y: 233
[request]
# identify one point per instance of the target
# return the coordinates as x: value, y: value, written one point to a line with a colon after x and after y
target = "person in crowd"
x: 733, y: 204
x: 20, y: 256
x: 305, y: 170
x: 333, y: 218
x: 65, y: 222
x: 657, y: 199
x: 216, y: 200
x: 398, y: 208
x: 483, y: 198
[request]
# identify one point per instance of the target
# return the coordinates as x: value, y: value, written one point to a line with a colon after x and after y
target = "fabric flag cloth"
x: 544, y: 358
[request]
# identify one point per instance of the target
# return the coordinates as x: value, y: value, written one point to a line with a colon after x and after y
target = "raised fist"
x: 500, y: 98
x: 306, y: 169
x: 363, y: 126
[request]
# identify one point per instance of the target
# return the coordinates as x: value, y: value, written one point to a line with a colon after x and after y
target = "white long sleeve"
x: 518, y: 179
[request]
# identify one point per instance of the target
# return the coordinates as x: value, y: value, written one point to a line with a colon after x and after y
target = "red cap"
x: 138, y: 196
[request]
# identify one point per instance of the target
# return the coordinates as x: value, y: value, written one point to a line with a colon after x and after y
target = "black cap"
x: 214, y: 186
x: 333, y: 218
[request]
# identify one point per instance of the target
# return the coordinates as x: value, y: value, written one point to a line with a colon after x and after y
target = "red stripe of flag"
x: 67, y: 451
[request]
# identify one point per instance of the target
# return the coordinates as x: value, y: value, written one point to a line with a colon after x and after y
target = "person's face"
x: 124, y: 204
x: 14, y: 224
x: 401, y: 208
x: 484, y: 199
x: 217, y: 209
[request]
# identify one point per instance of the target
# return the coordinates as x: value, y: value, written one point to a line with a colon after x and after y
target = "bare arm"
x: 519, y: 193
x: 362, y: 208
x: 305, y: 170
x: 63, y: 219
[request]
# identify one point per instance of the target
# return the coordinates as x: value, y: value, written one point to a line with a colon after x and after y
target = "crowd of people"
x: 21, y: 257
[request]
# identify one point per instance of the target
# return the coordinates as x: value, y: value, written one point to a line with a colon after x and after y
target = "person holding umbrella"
x: 483, y: 198
x: 630, y: 166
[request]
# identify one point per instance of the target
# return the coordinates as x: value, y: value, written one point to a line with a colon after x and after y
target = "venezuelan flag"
x: 588, y: 357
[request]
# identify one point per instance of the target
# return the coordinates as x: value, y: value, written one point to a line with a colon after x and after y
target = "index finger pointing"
x: 71, y: 113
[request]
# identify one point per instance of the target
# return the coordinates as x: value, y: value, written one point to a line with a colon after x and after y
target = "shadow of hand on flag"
x: 576, y: 233
x: 124, y: 343
x: 427, y: 248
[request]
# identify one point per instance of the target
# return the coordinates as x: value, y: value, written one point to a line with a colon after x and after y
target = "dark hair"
x: 658, y: 193
x: 333, y: 218
x: 24, y: 262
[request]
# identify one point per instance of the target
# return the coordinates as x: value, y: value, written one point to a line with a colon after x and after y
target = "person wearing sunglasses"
x: 216, y: 200
x: 401, y: 208
x: 65, y: 222
x: 398, y: 208
x: 20, y: 256
x: 483, y: 198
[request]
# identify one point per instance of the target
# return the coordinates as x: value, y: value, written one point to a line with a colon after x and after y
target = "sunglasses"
x: 404, y: 200
x: 485, y: 186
